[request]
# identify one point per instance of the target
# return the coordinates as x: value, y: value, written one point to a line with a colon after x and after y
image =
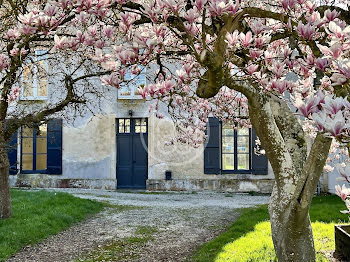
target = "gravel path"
x: 177, y: 224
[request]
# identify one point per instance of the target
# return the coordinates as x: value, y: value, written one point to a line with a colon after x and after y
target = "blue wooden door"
x: 132, y: 156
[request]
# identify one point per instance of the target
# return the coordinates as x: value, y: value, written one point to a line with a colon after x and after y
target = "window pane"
x: 228, y: 161
x: 42, y: 89
x: 243, y: 161
x: 42, y: 130
x: 127, y: 125
x: 41, y: 145
x: 227, y: 130
x: 27, y: 145
x: 137, y: 122
x: 42, y: 73
x: 41, y: 162
x: 243, y: 144
x: 28, y: 73
x: 144, y: 129
x: 243, y: 131
x: 137, y: 129
x: 28, y: 90
x: 228, y: 144
x: 121, y: 125
x: 27, y: 162
x: 27, y: 80
x: 27, y: 131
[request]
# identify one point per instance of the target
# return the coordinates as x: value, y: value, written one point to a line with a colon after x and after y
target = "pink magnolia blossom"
x: 286, y: 4
x: 60, y: 43
x: 13, y: 33
x: 306, y: 31
x: 4, y: 61
x: 342, y: 192
x: 334, y: 51
x: 246, y: 39
x: 111, y: 80
x: 50, y: 10
x: 333, y: 105
x: 321, y: 63
x: 217, y: 7
x: 191, y: 15
x: 251, y: 69
x: 331, y: 15
x: 232, y: 39
x: 26, y: 29
x: 336, y: 124
x: 337, y: 31
x: 344, y: 171
x: 200, y: 4
x: 254, y: 54
x: 27, y: 19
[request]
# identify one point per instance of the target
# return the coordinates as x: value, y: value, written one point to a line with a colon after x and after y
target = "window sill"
x: 120, y: 97
x: 236, y: 172
x: 40, y: 98
x: 33, y: 172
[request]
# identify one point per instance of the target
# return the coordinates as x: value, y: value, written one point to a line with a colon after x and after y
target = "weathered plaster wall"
x: 184, y: 161
x: 89, y: 155
x: 187, y: 166
x: 89, y: 150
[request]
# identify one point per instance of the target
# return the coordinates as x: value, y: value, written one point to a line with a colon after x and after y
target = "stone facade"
x: 89, y: 158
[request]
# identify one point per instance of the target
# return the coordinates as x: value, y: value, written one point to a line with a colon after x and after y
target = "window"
x: 133, y: 125
x: 235, y: 148
x: 124, y: 126
x: 140, y: 126
x: 128, y: 91
x: 35, y: 78
x: 40, y: 149
x: 231, y: 151
x: 34, y: 148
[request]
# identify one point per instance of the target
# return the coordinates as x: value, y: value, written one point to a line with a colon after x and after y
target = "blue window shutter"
x: 12, y: 154
x: 54, y: 146
x: 259, y: 162
x: 212, y: 149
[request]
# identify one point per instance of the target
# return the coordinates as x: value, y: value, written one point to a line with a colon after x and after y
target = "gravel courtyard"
x: 142, y: 226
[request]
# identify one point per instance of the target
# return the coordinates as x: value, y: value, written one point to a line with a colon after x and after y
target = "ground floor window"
x: 230, y: 150
x: 235, y: 145
x: 40, y: 149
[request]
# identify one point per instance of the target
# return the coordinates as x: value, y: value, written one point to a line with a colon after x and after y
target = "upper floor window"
x: 35, y: 77
x: 128, y: 90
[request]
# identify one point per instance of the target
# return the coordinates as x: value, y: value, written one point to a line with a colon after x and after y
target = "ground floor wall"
x: 89, y: 158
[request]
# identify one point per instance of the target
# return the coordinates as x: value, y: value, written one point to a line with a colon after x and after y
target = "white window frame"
x: 35, y: 77
x: 131, y: 87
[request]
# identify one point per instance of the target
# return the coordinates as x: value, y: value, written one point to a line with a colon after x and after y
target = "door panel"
x: 132, y: 155
x: 139, y: 161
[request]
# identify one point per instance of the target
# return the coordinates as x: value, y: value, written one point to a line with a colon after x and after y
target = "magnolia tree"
x: 32, y: 35
x: 281, y: 64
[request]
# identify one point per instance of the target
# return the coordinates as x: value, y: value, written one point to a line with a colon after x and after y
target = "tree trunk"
x: 296, y: 172
x: 291, y: 231
x: 5, y: 198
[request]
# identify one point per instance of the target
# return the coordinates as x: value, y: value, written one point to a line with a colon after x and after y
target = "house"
x: 123, y: 146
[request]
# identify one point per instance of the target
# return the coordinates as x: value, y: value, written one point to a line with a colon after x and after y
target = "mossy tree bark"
x: 5, y: 197
x: 297, y: 171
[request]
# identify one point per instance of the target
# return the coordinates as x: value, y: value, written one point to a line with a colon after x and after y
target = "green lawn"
x: 249, y: 238
x: 39, y: 214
